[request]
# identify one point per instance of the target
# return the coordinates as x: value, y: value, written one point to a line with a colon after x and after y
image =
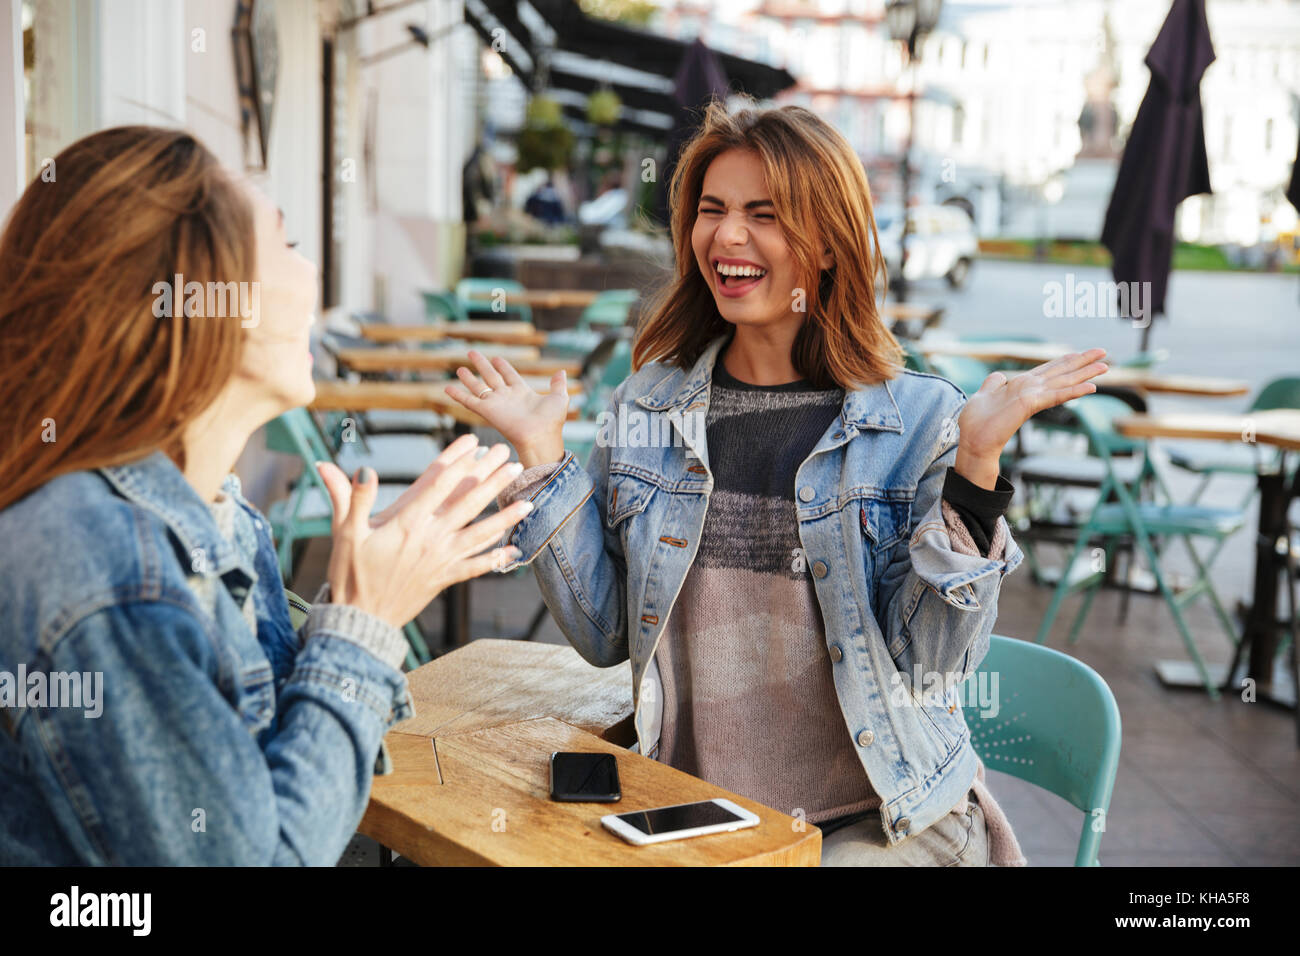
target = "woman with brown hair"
x: 806, y: 573
x: 158, y: 706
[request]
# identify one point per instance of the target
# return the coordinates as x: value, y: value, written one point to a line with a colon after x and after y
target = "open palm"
x: 526, y: 418
x: 1002, y: 405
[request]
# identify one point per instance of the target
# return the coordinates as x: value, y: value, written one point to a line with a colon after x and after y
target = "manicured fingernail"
x: 367, y: 475
x: 514, y: 468
x: 514, y: 554
x: 526, y: 507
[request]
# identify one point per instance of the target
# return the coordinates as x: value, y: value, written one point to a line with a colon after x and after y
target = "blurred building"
x: 1000, y: 90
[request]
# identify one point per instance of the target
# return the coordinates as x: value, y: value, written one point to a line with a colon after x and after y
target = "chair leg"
x: 1091, y: 593
x: 1202, y: 569
x: 1063, y: 585
x: 1172, y: 602
x: 415, y: 638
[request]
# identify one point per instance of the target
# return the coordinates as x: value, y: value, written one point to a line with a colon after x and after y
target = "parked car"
x: 941, y: 243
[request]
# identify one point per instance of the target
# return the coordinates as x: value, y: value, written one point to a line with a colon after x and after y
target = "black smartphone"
x: 584, y: 778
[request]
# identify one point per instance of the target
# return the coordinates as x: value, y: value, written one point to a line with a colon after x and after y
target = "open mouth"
x: 737, y: 279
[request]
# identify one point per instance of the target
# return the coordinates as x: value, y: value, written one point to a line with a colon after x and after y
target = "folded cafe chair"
x: 1140, y: 521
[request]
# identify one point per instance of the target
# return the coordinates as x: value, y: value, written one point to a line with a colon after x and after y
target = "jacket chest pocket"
x: 628, y: 495
x: 885, y: 521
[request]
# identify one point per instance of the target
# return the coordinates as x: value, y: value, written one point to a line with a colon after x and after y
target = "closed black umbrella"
x: 1164, y: 160
x: 699, y: 79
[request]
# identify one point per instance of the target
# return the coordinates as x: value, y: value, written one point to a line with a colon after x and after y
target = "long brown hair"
x: 83, y: 359
x: 822, y: 200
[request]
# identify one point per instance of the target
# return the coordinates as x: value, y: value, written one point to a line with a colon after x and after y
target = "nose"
x: 732, y: 231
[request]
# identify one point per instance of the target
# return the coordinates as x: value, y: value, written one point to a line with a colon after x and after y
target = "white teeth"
x: 740, y: 270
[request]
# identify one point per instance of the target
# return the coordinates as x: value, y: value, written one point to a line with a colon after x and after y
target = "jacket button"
x: 903, y: 825
x: 837, y: 655
x: 866, y: 738
x: 819, y: 568
x: 807, y: 493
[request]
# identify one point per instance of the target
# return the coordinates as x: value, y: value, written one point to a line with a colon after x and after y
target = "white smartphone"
x: 643, y: 827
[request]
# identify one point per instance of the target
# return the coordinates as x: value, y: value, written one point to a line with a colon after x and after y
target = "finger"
x: 464, y: 445
x: 508, y: 373
x: 463, y: 509
x: 495, y: 457
x: 429, y: 499
x: 365, y: 489
x: 1058, y: 396
x: 1068, y: 377
x: 490, y: 375
x: 559, y: 384
x: 1071, y: 361
x: 471, y: 381
x: 994, y: 381
x: 474, y: 538
x: 473, y: 567
x: 467, y: 398
x: 338, y: 488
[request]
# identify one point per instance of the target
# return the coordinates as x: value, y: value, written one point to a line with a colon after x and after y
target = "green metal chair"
x: 469, y: 291
x: 306, y: 512
x: 611, y: 308
x: 1126, y: 518
x: 443, y: 307
x: 1056, y: 726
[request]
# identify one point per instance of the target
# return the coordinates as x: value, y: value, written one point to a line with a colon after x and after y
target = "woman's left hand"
x: 996, y: 412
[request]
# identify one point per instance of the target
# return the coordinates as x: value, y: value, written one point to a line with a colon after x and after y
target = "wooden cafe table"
x: 471, y: 780
x: 1279, y: 428
x: 542, y: 298
x: 1027, y: 353
x: 336, y: 396
x: 1144, y: 380
x: 474, y: 330
x: 525, y: 359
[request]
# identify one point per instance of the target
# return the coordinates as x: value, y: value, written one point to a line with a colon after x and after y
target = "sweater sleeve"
x: 974, y: 515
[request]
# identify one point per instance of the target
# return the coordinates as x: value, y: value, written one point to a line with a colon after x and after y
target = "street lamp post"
x: 909, y: 21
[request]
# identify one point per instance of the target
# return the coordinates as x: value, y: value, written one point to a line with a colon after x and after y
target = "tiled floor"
x: 1200, y: 783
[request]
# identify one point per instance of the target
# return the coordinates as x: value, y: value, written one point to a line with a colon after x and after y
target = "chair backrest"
x: 1055, y: 725
x: 1279, y: 393
x: 966, y: 373
x: 913, y: 359
x: 295, y: 433
x: 1095, y: 416
x: 443, y: 307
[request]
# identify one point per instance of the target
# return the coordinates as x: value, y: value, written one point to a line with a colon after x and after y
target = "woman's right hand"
x: 530, y: 421
x: 393, y: 564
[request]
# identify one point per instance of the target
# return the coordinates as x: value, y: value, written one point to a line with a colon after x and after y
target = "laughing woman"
x: 781, y: 574
x: 129, y: 560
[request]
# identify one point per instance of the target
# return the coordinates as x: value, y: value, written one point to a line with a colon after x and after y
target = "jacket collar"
x: 155, y: 484
x: 872, y: 406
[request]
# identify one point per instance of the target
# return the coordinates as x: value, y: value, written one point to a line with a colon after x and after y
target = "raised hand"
x: 532, y: 422
x: 394, y: 564
x: 1002, y: 405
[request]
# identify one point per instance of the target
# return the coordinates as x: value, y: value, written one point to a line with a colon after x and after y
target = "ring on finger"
x: 483, y: 394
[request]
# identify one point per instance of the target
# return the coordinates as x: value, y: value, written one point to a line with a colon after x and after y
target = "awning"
x: 586, y: 54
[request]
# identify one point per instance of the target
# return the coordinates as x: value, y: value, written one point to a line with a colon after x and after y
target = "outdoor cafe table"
x: 474, y: 330
x: 335, y: 396
x: 541, y: 298
x: 1279, y: 428
x: 1144, y: 380
x: 1028, y: 353
x: 525, y: 359
x: 471, y: 780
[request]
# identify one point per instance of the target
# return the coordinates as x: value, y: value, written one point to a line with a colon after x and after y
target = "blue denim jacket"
x: 209, y: 744
x: 611, y: 546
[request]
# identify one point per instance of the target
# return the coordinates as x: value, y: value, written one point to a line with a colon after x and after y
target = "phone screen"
x: 685, y: 817
x: 577, y: 775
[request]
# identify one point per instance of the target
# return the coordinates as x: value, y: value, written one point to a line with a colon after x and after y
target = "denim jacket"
x: 168, y: 732
x: 611, y: 545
